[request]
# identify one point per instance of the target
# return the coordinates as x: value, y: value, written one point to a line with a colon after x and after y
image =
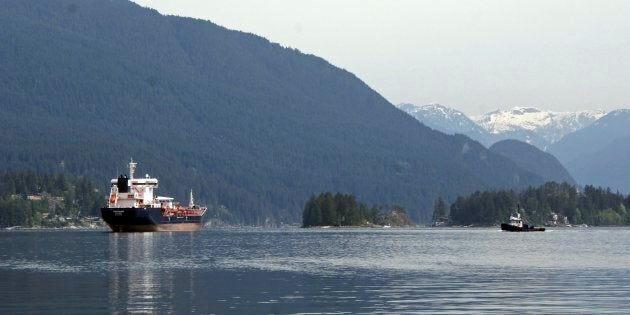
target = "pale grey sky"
x: 474, y: 56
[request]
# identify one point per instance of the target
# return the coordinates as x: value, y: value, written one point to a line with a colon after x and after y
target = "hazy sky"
x: 475, y: 56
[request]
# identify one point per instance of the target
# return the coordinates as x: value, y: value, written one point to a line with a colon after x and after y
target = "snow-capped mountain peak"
x: 446, y: 119
x: 549, y: 125
x: 432, y: 109
x: 528, y: 124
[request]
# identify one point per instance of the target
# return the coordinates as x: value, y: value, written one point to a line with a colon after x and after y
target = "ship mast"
x: 192, y: 201
x: 132, y: 168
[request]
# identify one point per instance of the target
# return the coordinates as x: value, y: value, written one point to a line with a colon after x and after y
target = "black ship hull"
x: 525, y: 228
x: 147, y: 220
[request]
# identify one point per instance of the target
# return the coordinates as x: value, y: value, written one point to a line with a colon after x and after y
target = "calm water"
x: 284, y: 271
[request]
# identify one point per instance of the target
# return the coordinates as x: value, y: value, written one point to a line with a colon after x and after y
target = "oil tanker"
x: 132, y: 207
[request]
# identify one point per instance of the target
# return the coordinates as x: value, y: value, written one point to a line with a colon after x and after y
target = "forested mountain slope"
x: 85, y: 85
x: 534, y: 160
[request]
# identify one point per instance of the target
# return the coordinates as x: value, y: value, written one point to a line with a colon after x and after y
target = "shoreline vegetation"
x: 342, y: 210
x: 29, y: 199
x: 551, y: 204
x: 36, y: 201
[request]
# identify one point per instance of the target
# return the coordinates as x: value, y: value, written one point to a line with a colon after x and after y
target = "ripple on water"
x: 318, y: 271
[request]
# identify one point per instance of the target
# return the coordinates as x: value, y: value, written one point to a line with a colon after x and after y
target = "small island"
x: 342, y: 210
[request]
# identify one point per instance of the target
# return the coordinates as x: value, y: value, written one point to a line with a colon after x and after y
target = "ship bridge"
x: 133, y: 192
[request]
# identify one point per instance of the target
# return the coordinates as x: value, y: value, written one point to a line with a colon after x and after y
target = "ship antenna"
x: 132, y: 168
x: 192, y: 201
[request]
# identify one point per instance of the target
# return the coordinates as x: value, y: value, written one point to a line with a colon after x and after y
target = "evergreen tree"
x: 439, y: 210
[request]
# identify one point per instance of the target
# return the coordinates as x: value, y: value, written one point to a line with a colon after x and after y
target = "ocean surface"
x: 317, y: 271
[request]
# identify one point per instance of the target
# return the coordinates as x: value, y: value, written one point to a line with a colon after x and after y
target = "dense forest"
x: 327, y: 209
x: 249, y: 125
x: 30, y: 199
x: 591, y: 205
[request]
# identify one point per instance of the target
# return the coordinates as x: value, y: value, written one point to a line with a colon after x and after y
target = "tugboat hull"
x: 148, y: 220
x: 525, y: 228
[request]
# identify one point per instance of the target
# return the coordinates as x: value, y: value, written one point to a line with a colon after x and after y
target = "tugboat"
x: 516, y: 225
x: 132, y: 207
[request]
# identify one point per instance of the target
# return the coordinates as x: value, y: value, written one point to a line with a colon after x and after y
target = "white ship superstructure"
x: 131, y: 192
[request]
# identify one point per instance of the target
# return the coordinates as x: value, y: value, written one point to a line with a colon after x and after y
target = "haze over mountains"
x: 592, y: 145
x: 259, y: 128
x: 598, y: 154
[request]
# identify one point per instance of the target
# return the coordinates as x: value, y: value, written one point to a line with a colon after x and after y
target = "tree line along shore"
x: 29, y: 199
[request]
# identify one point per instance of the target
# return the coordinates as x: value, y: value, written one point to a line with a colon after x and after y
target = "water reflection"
x: 141, y: 279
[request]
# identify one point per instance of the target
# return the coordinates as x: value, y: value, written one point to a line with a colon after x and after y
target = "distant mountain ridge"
x: 528, y: 124
x: 547, y: 126
x: 614, y: 125
x: 447, y: 120
x: 591, y: 145
x: 598, y: 154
